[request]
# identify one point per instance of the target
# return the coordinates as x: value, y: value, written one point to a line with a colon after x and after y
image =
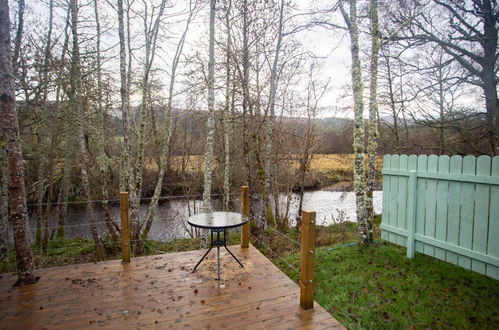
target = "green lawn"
x: 378, y: 288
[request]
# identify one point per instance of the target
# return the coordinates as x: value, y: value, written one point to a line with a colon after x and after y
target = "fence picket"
x: 456, y: 167
x: 467, y: 210
x: 481, y: 213
x: 386, y: 190
x: 411, y: 204
x: 493, y: 239
x: 431, y: 204
x: 394, y: 189
x: 402, y: 200
x: 442, y: 195
x: 421, y: 200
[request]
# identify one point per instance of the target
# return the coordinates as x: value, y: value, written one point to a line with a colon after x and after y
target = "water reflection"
x: 171, y: 215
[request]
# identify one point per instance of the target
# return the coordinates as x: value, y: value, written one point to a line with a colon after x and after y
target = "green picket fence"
x: 445, y: 207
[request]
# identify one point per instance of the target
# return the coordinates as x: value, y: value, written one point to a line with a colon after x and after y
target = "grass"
x: 377, y: 287
x: 80, y: 250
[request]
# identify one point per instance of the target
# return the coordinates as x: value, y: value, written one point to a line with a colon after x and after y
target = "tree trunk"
x: 126, y: 175
x: 372, y: 126
x: 358, y: 143
x: 19, y: 35
x: 4, y: 202
x: 269, y: 160
x: 42, y: 218
x: 167, y: 131
x: 210, y: 124
x: 69, y: 147
x: 393, y: 108
x: 18, y: 210
x: 76, y: 102
x: 227, y: 125
x: 245, y: 88
x: 102, y: 160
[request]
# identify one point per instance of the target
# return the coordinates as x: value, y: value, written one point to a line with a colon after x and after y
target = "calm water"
x: 171, y: 215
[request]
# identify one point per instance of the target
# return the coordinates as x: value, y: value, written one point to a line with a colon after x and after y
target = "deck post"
x: 307, y: 283
x: 245, y: 210
x: 125, y: 227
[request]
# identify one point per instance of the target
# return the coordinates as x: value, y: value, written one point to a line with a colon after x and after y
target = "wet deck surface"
x: 161, y: 291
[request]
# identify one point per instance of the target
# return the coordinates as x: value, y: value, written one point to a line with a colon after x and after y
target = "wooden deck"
x: 162, y: 292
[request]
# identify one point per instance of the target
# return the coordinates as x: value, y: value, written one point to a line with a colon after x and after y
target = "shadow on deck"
x: 161, y: 291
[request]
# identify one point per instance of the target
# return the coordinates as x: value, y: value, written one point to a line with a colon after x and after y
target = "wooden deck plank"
x: 160, y: 292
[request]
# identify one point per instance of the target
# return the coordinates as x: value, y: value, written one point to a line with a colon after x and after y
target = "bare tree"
x: 17, y: 191
x: 358, y: 144
x: 102, y: 158
x: 311, y: 138
x: 70, y: 142
x: 372, y: 126
x: 468, y: 32
x: 76, y: 102
x: 210, y: 124
x: 226, y: 121
x: 168, y: 122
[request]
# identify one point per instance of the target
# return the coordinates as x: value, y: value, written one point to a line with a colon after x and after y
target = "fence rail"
x: 445, y: 207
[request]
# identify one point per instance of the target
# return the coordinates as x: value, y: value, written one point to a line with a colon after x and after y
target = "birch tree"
x: 351, y: 22
x: 76, y: 103
x: 246, y: 95
x: 227, y: 125
x: 42, y: 134
x: 372, y: 126
x: 18, y: 213
x: 391, y: 100
x: 210, y: 124
x: 69, y: 142
x: 151, y: 31
x: 269, y: 161
x: 311, y: 139
x: 102, y: 158
x: 166, y: 131
x: 126, y: 175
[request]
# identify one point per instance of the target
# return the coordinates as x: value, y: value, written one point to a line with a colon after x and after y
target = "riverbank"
x: 80, y: 250
x: 331, y: 172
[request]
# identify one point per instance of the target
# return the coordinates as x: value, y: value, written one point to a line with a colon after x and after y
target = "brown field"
x: 339, y: 163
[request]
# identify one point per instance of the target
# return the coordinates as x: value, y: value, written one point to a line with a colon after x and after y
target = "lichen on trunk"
x: 358, y: 140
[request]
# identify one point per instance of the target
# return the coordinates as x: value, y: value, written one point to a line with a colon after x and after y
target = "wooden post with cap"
x: 307, y: 283
x: 245, y: 210
x: 125, y: 227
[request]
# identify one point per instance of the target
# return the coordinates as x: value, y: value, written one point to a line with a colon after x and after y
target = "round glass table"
x: 217, y: 223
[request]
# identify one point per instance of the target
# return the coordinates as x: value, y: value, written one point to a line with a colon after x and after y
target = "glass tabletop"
x: 217, y: 220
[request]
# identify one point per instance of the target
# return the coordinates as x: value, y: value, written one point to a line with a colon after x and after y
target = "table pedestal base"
x: 218, y: 243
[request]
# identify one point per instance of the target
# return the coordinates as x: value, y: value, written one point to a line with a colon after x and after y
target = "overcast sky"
x: 331, y: 46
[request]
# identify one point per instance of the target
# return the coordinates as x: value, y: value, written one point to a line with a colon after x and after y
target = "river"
x: 170, y: 222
